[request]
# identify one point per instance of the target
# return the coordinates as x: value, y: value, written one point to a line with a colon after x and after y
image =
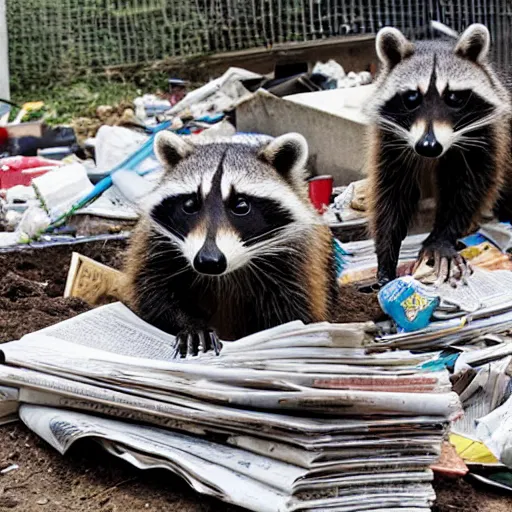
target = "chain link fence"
x: 52, y: 39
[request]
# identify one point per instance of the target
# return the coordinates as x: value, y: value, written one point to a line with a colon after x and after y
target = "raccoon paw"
x: 382, y: 280
x: 191, y: 341
x: 374, y: 287
x: 449, y: 265
x: 385, y: 274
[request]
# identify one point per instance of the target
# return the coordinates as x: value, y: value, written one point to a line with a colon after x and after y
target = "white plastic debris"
x: 366, y: 77
x: 8, y: 469
x: 112, y: 204
x: 114, y: 144
x: 151, y: 105
x: 131, y: 185
x: 218, y: 95
x: 355, y: 80
x: 19, y: 194
x: 495, y: 431
x: 176, y: 124
x: 332, y: 70
x: 140, y: 111
x: 60, y: 189
x: 12, y: 218
x: 338, y: 79
x: 8, y: 238
x: 34, y: 220
x: 342, y: 210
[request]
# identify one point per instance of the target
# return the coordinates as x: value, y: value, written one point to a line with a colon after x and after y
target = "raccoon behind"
x: 229, y: 243
x: 440, y: 110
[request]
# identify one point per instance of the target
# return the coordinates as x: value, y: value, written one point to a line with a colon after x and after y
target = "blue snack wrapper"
x: 408, y: 303
x: 339, y: 257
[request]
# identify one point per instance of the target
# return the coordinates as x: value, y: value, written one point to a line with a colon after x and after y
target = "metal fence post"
x: 4, y: 54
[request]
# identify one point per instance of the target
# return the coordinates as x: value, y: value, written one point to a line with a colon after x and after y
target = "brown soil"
x: 87, y: 479
x: 32, y: 284
x: 356, y: 306
x: 460, y: 496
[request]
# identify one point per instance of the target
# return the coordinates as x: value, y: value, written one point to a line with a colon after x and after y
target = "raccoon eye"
x: 412, y: 99
x: 456, y: 99
x: 191, y: 205
x: 241, y: 206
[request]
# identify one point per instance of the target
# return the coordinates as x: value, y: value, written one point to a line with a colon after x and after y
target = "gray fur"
x: 452, y: 68
x: 271, y: 265
x: 248, y: 166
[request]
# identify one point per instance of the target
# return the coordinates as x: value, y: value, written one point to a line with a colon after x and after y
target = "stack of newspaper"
x: 480, y: 305
x: 299, y: 417
x: 489, y: 246
x: 360, y: 262
x: 467, y: 312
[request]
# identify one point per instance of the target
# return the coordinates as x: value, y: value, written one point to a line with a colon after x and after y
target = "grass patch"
x: 63, y: 103
x: 80, y: 94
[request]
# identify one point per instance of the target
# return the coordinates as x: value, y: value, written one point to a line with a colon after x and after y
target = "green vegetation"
x: 79, y: 95
x: 63, y: 103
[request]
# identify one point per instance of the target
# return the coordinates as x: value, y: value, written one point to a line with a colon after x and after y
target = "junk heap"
x: 340, y: 417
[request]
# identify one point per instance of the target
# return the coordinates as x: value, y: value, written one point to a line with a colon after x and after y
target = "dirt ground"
x: 32, y: 285
x: 87, y: 479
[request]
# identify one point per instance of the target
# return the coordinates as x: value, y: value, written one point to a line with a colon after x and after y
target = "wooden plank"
x: 354, y: 53
x: 30, y: 129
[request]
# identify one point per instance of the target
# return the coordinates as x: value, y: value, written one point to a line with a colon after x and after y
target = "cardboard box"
x: 331, y: 121
x: 30, y: 129
x: 93, y: 282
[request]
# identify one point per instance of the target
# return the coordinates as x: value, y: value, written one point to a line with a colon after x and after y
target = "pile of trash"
x: 349, y: 413
x: 349, y: 410
x: 466, y: 328
x: 60, y: 184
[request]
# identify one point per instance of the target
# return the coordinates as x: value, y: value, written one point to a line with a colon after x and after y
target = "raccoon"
x: 229, y: 243
x: 441, y: 111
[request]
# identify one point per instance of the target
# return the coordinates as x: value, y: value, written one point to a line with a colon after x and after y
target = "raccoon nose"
x: 210, y: 260
x: 428, y: 146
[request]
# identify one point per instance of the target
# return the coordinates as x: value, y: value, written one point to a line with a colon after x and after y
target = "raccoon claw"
x: 191, y: 342
x: 449, y: 265
x: 383, y: 278
x: 383, y: 281
x: 372, y: 288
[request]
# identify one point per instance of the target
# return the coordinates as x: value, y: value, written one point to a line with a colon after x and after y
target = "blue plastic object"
x: 474, y: 239
x: 210, y: 119
x: 445, y: 360
x: 131, y: 163
x: 408, y: 303
x: 339, y: 257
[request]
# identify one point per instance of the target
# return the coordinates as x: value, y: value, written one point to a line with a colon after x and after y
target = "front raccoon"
x: 441, y: 110
x: 229, y: 244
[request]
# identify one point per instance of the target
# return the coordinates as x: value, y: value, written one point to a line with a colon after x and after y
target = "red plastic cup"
x: 4, y: 136
x: 320, y: 191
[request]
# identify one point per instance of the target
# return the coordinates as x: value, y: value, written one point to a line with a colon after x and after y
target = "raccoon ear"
x: 171, y: 148
x: 392, y: 46
x: 474, y: 43
x: 288, y: 155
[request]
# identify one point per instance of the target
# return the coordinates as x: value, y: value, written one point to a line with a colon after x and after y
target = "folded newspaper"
x: 489, y: 249
x: 467, y: 312
x: 299, y: 417
x: 481, y: 306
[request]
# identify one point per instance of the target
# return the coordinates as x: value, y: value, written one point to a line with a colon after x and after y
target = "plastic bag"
x: 408, y: 302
